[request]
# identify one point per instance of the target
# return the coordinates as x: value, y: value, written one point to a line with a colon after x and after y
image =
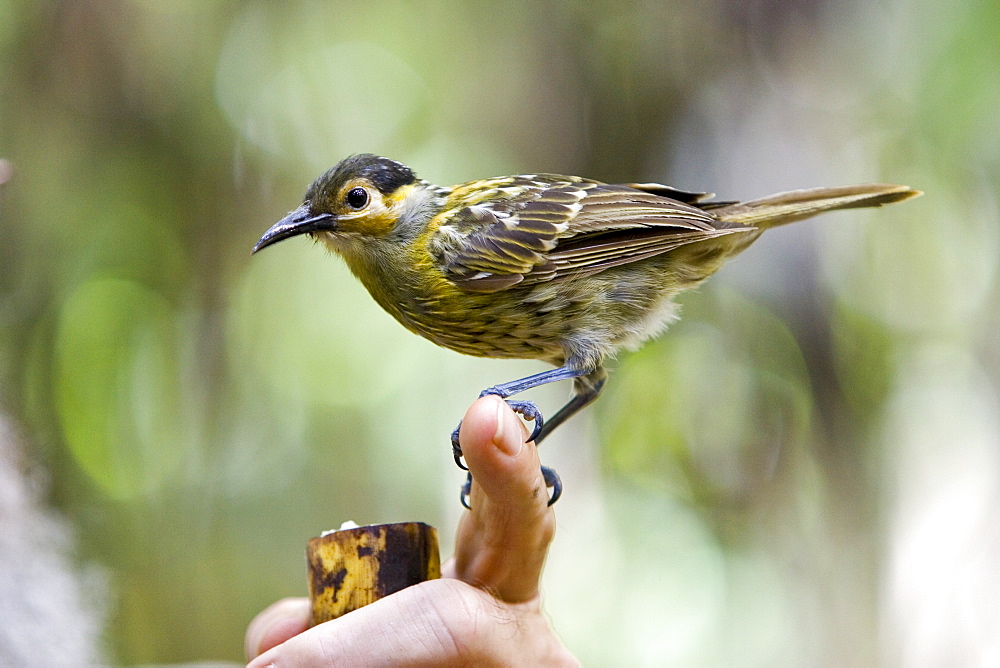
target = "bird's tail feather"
x: 789, y: 207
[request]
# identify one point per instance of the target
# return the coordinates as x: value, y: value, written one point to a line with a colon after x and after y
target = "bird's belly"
x: 483, y: 327
x: 584, y: 320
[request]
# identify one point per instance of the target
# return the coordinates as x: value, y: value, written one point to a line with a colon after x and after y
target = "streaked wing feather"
x: 487, y: 282
x: 613, y: 253
x: 673, y: 193
x: 571, y: 228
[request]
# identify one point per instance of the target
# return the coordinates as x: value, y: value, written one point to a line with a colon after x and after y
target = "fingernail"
x: 509, y: 437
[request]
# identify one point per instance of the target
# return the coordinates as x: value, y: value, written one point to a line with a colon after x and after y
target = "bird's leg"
x: 585, y: 390
x: 588, y: 384
x: 527, y: 408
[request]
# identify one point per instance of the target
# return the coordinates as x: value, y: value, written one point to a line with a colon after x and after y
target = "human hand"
x: 485, y: 610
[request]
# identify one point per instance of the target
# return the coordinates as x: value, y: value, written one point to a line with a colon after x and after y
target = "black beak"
x: 300, y: 221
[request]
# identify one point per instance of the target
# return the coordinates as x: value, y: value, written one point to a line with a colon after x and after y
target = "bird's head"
x: 363, y: 197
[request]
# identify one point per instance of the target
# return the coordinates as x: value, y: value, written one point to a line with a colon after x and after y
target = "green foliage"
x: 786, y: 473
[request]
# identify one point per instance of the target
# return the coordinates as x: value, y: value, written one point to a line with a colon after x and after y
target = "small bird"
x: 562, y: 269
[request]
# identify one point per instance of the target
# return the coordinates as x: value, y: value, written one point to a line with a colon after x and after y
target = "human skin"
x: 485, y: 610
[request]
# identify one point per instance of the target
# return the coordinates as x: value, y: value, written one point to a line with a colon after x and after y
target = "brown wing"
x: 546, y: 230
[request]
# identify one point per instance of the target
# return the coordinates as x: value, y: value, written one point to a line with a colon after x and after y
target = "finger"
x: 276, y: 624
x: 439, y: 622
x: 407, y: 628
x: 501, y: 544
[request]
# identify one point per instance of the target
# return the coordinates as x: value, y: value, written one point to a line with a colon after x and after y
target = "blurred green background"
x: 804, y: 471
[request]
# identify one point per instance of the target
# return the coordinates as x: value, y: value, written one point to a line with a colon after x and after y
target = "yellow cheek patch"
x: 394, y: 199
x: 379, y: 217
x: 375, y: 221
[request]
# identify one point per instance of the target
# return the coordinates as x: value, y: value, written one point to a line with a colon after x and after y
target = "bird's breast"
x: 414, y: 290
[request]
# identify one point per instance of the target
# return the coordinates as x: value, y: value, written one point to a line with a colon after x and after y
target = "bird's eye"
x: 357, y: 198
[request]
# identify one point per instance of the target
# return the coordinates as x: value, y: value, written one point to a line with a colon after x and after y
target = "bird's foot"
x: 548, y: 474
x: 552, y: 480
x: 527, y: 409
x: 466, y: 492
x: 456, y: 450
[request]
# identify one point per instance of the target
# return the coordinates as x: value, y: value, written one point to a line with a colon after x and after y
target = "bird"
x: 563, y: 269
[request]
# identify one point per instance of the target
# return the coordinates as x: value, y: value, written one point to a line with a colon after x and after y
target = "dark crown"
x: 385, y: 174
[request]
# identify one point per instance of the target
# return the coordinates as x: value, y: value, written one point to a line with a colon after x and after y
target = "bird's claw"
x: 530, y: 412
x: 466, y: 492
x: 527, y: 409
x: 548, y: 474
x: 456, y: 449
x: 552, y: 480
